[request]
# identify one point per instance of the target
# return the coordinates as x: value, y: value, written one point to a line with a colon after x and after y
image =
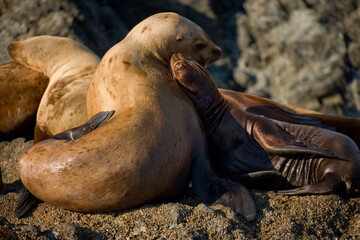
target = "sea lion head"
x: 192, y: 77
x: 169, y: 33
x: 197, y: 83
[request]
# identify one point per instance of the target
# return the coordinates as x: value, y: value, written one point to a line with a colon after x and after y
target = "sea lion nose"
x: 217, y: 52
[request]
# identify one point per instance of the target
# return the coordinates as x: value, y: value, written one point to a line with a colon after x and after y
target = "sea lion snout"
x: 12, y: 49
x: 178, y: 66
x: 217, y: 53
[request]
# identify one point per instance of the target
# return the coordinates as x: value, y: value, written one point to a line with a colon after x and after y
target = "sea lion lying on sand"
x: 244, y: 145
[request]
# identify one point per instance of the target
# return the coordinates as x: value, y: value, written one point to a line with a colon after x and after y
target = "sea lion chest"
x: 233, y: 150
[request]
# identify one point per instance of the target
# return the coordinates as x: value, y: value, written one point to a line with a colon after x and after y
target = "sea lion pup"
x: 144, y: 152
x: 312, y: 158
x: 70, y: 67
x: 21, y: 90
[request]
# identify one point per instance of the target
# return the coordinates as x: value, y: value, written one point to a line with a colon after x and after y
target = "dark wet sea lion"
x: 145, y: 151
x: 21, y: 90
x: 312, y: 158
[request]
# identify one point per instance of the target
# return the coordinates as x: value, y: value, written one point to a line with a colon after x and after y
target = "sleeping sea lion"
x: 145, y: 151
x: 244, y: 145
x: 70, y: 67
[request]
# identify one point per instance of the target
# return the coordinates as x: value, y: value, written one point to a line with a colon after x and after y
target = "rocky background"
x: 300, y: 52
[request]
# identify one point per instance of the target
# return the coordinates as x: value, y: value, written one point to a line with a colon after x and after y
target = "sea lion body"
x: 70, y: 67
x: 144, y: 152
x: 313, y: 158
x: 21, y: 90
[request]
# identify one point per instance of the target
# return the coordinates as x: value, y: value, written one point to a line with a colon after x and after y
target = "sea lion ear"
x: 179, y: 38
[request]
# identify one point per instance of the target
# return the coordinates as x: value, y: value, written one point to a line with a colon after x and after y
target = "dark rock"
x: 7, y: 233
x: 67, y: 231
x: 29, y: 230
x: 294, y: 58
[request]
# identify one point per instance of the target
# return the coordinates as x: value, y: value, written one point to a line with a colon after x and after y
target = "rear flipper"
x: 26, y: 202
x: 215, y: 190
x: 75, y: 133
x: 328, y: 184
x: 15, y: 186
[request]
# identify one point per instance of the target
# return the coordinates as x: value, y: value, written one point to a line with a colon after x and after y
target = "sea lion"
x: 245, y: 145
x: 21, y: 90
x: 70, y: 67
x: 144, y: 152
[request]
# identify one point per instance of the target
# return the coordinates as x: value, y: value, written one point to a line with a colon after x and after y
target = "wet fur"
x: 251, y: 138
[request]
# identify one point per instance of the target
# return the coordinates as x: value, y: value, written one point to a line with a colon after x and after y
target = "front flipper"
x: 75, y: 133
x: 260, y: 175
x: 26, y: 202
x: 237, y: 197
x: 328, y: 184
x: 215, y: 190
x: 274, y: 139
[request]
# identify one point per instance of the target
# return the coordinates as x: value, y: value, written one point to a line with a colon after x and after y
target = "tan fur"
x: 145, y: 151
x: 70, y: 67
x: 21, y: 90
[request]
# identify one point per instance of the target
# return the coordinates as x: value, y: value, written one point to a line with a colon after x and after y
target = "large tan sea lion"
x: 145, y: 151
x: 70, y: 67
x: 244, y: 144
x: 21, y: 90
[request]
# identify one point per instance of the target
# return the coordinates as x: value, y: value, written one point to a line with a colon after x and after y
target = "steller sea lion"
x: 145, y: 151
x: 70, y: 67
x: 21, y: 90
x: 245, y: 145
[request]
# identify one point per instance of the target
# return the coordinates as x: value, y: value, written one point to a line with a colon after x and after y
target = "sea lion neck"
x: 212, y: 111
x: 149, y: 53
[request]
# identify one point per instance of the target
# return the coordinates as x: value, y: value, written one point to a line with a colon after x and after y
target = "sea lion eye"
x: 200, y: 45
x: 179, y: 38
